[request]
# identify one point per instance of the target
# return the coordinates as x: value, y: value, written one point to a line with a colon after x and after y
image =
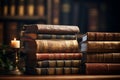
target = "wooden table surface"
x: 60, y: 77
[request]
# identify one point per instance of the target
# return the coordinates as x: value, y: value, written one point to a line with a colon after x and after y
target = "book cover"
x: 100, y: 46
x: 58, y: 56
x: 102, y: 68
x: 57, y: 46
x: 101, y: 36
x: 103, y: 58
x: 49, y: 36
x: 58, y: 63
x: 52, y: 29
x: 57, y: 71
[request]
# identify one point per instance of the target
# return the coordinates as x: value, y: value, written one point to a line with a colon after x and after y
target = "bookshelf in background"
x: 22, y: 12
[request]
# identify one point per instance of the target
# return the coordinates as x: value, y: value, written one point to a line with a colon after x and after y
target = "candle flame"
x: 14, y: 39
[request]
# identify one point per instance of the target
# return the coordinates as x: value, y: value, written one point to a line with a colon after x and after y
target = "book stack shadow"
x: 101, y: 51
x: 51, y: 49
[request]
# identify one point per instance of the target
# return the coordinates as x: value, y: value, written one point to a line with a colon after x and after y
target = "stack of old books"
x: 101, y: 52
x: 51, y: 49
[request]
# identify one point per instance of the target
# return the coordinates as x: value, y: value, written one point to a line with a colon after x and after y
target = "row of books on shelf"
x: 23, y: 7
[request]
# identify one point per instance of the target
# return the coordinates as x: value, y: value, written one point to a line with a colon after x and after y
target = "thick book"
x: 58, y: 56
x: 102, y: 68
x: 100, y: 46
x: 49, y: 36
x: 58, y: 71
x: 51, y: 29
x: 103, y: 57
x: 58, y: 63
x: 57, y: 46
x: 49, y: 46
x: 101, y: 36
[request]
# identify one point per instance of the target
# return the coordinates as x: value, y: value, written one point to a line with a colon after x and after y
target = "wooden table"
x: 61, y: 77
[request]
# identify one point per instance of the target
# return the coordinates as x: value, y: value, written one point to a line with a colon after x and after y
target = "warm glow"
x: 15, y: 43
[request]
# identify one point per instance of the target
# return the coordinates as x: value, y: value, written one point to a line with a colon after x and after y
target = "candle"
x: 15, y: 43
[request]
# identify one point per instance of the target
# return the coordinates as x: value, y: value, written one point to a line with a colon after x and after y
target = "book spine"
x: 30, y: 7
x: 92, y: 18
x: 58, y: 56
x: 52, y: 29
x: 101, y: 46
x: 40, y: 7
x: 59, y: 63
x: 102, y: 36
x: 5, y: 8
x: 21, y: 8
x: 65, y: 12
x: 103, y: 57
x: 12, y: 8
x: 57, y: 71
x: 48, y: 36
x: 55, y: 11
x: 57, y: 46
x: 102, y: 68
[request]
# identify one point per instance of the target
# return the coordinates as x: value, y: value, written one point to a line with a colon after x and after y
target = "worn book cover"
x: 100, y: 46
x: 101, y: 36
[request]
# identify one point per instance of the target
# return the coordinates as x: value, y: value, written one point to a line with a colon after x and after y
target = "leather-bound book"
x: 100, y: 46
x: 52, y: 29
x: 101, y: 36
x: 102, y: 68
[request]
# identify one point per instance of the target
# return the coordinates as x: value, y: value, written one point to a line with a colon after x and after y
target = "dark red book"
x: 58, y: 56
x: 102, y: 68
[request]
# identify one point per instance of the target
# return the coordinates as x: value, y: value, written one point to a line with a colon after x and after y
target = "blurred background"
x: 89, y: 15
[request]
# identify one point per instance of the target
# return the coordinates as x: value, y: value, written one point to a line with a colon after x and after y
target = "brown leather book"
x: 57, y: 71
x: 101, y: 36
x: 103, y: 58
x: 51, y: 29
x: 57, y: 46
x: 59, y: 63
x: 100, y: 46
x: 102, y: 68
x: 58, y: 56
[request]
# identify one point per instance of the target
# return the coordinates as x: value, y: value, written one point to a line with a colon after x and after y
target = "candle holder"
x: 16, y: 70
